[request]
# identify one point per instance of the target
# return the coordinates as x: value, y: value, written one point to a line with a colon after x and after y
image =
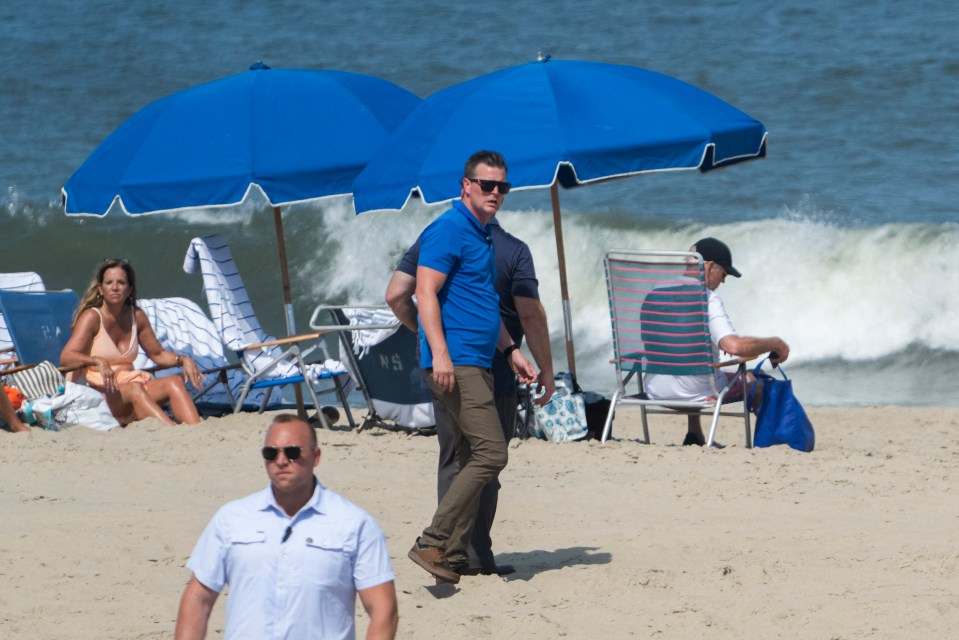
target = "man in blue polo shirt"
x: 524, y: 316
x: 459, y: 328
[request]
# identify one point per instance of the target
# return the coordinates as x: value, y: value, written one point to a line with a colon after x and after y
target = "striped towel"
x: 182, y: 327
x: 22, y: 281
x: 232, y: 312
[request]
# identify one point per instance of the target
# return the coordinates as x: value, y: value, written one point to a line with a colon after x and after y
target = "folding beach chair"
x: 22, y: 281
x: 39, y: 325
x: 658, y: 303
x: 182, y: 327
x: 380, y: 355
x: 268, y: 362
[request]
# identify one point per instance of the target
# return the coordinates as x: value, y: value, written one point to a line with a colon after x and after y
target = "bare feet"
x: 18, y: 427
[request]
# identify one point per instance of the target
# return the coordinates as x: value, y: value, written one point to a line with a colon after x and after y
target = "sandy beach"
x: 855, y: 540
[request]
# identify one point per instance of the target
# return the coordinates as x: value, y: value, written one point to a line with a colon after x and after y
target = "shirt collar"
x: 268, y: 500
x: 463, y: 209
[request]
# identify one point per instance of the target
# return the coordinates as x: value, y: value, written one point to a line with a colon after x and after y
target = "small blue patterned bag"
x: 563, y: 419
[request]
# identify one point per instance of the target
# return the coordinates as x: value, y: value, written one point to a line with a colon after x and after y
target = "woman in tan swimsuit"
x: 108, y: 329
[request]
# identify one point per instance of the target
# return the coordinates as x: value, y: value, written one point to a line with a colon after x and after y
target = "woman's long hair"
x: 92, y: 298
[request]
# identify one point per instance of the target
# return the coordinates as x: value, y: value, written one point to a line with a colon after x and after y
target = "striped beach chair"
x: 182, y: 327
x: 658, y: 304
x: 268, y: 362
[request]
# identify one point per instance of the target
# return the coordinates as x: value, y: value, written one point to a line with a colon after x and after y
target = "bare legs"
x: 138, y: 401
x: 173, y: 390
x: 10, y: 416
x: 694, y: 428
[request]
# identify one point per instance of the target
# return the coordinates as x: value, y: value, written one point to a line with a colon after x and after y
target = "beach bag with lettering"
x: 780, y: 419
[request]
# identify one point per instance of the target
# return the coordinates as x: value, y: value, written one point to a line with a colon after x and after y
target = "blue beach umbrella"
x: 296, y: 135
x: 557, y: 122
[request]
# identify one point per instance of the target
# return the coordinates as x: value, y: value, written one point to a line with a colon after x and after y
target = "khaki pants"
x: 480, y: 454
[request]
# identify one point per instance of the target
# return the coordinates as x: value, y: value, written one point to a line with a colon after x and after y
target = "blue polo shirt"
x: 456, y: 244
x: 515, y: 276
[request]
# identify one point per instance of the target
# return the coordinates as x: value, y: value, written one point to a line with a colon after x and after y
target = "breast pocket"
x: 248, y: 552
x: 327, y: 560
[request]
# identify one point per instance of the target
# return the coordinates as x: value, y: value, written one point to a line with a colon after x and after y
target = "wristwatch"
x: 508, y: 351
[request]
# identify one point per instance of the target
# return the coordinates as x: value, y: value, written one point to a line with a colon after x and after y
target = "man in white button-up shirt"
x: 294, y: 554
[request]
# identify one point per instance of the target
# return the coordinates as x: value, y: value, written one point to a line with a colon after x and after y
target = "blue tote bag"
x: 780, y: 419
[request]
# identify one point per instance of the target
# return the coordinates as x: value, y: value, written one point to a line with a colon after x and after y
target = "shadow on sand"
x: 530, y: 563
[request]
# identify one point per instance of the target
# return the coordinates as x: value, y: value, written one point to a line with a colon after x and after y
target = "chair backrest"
x: 22, y: 281
x: 381, y: 355
x: 659, y: 307
x: 181, y: 326
x: 390, y: 368
x: 230, y: 307
x: 38, y: 322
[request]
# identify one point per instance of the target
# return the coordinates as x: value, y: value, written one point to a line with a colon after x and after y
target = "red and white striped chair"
x: 658, y: 303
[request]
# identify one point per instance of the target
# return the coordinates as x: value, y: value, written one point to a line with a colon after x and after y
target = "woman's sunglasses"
x: 291, y: 453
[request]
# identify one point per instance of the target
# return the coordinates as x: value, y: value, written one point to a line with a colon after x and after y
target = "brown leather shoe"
x: 433, y: 559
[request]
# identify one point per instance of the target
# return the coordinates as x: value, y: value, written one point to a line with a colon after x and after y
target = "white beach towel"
x: 21, y: 281
x: 232, y: 312
x: 363, y: 339
x: 75, y: 405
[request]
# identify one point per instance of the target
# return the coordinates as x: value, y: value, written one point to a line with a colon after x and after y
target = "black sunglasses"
x: 488, y: 185
x: 291, y: 453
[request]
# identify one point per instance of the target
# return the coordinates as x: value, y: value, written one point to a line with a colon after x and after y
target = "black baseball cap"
x: 713, y: 250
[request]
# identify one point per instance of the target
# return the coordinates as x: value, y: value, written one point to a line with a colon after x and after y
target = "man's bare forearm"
x: 399, y: 297
x: 532, y: 317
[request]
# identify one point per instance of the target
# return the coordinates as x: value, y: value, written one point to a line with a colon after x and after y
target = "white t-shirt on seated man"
x: 696, y: 387
x: 718, y: 261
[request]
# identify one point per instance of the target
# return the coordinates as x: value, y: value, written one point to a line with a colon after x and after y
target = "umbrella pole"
x: 287, y: 299
x: 284, y: 272
x: 563, y: 287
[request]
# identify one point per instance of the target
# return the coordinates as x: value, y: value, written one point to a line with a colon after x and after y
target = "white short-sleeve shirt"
x: 302, y: 588
x: 695, y: 387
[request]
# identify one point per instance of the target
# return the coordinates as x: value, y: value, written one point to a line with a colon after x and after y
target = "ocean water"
x: 846, y: 234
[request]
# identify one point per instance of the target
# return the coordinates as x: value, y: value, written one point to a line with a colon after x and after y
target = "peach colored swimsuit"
x: 121, y: 363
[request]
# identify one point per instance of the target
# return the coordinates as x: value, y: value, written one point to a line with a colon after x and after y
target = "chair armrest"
x: 735, y: 362
x: 298, y: 338
x: 24, y: 367
x: 216, y: 370
x: 315, y: 318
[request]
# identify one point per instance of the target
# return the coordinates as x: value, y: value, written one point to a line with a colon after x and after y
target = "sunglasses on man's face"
x: 291, y: 453
x: 488, y: 185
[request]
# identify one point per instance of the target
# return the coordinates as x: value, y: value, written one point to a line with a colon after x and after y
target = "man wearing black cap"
x: 718, y: 264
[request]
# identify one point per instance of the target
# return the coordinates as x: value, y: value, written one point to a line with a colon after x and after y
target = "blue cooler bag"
x: 780, y: 419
